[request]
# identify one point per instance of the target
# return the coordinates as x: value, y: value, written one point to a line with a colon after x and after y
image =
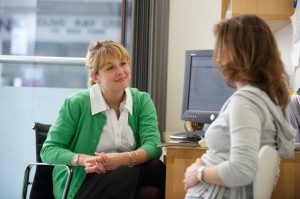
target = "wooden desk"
x: 179, y: 158
x: 288, y: 185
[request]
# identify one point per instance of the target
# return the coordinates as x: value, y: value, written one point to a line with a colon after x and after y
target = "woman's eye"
x: 110, y: 68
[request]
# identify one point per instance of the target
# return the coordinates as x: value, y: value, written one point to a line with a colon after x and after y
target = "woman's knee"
x: 153, y: 173
x: 155, y: 165
x: 149, y: 192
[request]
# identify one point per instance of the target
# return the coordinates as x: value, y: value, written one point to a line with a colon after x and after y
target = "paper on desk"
x: 185, y: 144
x: 202, y: 143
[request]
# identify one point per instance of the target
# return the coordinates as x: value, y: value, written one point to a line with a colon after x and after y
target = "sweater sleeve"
x: 148, y: 127
x: 245, y: 124
x: 55, y: 149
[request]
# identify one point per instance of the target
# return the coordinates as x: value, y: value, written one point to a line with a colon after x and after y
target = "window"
x: 55, y: 28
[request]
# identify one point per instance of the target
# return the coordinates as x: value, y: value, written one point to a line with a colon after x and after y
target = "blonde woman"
x: 108, y: 133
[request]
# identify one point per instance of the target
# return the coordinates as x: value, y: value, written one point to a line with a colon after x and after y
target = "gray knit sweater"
x: 247, y: 121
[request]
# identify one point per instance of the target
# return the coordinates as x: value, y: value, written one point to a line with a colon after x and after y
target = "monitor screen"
x: 205, y: 89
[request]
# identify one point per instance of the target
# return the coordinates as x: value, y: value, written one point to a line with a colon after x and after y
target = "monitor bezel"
x: 199, y: 116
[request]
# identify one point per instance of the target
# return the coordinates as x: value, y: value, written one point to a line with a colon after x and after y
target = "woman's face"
x: 114, y: 76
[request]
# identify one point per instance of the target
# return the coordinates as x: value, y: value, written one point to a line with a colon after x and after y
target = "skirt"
x: 120, y: 183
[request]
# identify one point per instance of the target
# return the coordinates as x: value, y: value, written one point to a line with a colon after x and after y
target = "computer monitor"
x: 205, y: 89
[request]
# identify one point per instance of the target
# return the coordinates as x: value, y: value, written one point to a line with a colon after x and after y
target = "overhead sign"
x: 61, y: 28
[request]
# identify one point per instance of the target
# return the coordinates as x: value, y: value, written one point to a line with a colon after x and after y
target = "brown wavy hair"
x: 100, y: 52
x: 253, y: 56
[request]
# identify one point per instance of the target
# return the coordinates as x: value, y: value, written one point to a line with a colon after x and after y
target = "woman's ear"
x: 94, y: 78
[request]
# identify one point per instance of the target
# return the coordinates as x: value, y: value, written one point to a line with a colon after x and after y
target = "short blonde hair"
x: 100, y: 52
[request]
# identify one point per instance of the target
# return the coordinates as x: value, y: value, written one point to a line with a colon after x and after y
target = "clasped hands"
x: 101, y: 162
x: 190, y: 176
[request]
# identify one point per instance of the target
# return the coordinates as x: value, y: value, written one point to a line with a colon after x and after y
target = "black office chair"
x: 41, y: 186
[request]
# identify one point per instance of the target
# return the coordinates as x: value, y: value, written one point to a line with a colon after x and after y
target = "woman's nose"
x: 119, y: 69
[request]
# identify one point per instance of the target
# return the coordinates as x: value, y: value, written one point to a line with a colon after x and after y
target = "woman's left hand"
x: 190, y: 176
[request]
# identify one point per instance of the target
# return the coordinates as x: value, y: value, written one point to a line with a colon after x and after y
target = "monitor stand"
x: 205, y: 127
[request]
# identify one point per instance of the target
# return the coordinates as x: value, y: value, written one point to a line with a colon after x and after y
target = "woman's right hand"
x: 190, y: 176
x: 93, y: 163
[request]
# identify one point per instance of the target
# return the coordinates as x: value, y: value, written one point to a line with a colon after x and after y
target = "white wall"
x: 191, y: 27
x: 284, y: 39
x: 20, y: 107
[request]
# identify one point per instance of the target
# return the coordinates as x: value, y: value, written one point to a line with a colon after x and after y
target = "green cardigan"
x: 76, y: 130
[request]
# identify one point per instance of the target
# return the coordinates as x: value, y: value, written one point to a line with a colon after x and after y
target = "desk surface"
x: 179, y: 158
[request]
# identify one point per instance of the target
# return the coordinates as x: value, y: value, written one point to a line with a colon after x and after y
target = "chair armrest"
x: 27, y: 174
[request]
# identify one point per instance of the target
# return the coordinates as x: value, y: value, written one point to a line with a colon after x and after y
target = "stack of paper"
x: 294, y: 111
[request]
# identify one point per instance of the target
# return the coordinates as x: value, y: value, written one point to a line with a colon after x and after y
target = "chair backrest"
x: 42, y: 183
x: 268, y: 160
x: 41, y: 131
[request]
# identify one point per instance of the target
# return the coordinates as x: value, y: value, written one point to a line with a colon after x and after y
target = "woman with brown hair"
x: 254, y: 116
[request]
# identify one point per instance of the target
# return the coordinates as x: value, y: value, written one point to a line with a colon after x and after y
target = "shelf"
x: 276, y: 12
